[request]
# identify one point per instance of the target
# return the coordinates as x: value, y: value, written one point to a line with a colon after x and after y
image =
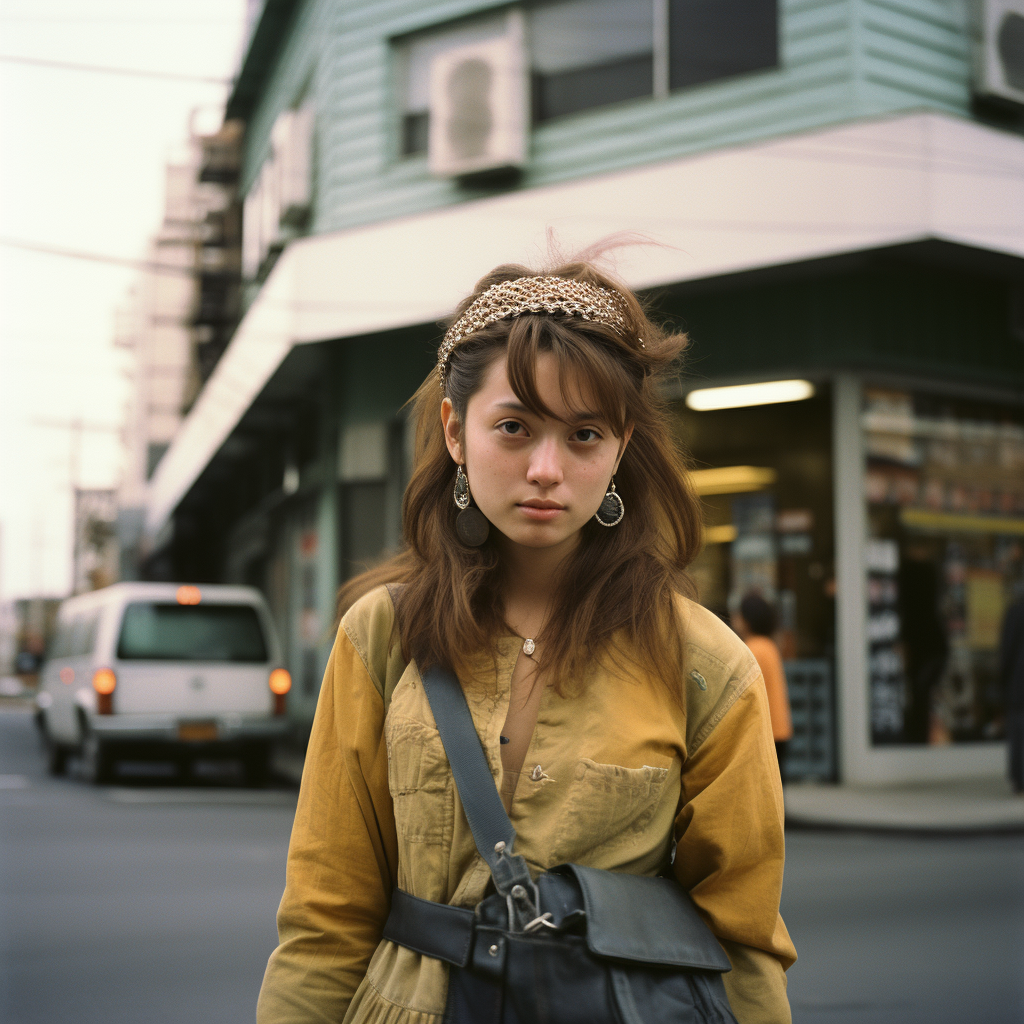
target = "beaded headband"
x: 532, y: 295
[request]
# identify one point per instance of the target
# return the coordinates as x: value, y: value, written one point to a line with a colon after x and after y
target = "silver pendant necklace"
x: 529, y: 647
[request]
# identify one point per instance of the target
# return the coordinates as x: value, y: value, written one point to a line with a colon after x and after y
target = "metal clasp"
x: 523, y: 897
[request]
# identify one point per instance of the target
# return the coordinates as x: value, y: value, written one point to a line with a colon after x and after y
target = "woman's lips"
x: 541, y: 513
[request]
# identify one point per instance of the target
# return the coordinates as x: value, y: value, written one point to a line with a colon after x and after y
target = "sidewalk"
x: 973, y: 806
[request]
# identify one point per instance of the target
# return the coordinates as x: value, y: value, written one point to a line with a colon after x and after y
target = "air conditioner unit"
x: 478, y: 107
x: 999, y: 49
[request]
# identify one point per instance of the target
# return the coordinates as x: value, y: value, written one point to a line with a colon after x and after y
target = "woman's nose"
x: 545, y: 464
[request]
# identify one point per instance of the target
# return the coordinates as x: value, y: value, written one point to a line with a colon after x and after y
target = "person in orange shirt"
x: 755, y: 623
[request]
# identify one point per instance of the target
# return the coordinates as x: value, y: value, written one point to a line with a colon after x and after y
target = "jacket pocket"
x: 420, y: 781
x: 607, y: 804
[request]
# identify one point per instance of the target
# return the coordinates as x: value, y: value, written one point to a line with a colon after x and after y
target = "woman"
x: 755, y: 623
x: 616, y: 713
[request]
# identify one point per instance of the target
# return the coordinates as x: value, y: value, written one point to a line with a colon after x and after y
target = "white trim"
x: 847, y: 188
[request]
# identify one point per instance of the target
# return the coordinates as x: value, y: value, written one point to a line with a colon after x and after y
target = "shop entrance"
x: 764, y: 474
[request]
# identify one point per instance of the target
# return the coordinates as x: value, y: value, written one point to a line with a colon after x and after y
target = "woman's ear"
x: 452, y: 431
x: 627, y: 434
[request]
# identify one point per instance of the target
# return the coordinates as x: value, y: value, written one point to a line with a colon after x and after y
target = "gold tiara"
x: 532, y: 295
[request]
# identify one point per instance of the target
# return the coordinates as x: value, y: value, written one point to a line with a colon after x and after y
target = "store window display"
x: 944, y: 480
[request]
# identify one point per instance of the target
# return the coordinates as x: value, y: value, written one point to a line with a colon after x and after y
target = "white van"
x: 144, y: 670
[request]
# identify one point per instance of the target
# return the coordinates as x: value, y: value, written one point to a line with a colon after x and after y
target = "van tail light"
x: 280, y: 683
x: 104, y: 682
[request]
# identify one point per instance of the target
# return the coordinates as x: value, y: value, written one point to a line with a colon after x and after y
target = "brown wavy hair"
x: 615, y: 595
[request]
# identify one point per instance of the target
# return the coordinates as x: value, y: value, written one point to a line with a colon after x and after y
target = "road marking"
x: 14, y: 782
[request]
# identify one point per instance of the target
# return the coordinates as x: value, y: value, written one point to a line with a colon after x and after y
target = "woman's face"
x: 538, y: 479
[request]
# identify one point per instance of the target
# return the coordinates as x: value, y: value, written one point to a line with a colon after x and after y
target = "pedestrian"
x: 548, y: 524
x: 755, y: 623
x: 1011, y: 670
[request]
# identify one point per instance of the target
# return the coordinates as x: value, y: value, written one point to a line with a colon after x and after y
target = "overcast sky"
x: 82, y: 159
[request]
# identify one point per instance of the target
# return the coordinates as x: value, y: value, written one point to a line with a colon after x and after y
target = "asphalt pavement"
x: 151, y: 902
x: 142, y: 903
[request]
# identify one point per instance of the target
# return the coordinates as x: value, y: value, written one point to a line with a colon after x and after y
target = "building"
x: 95, y: 556
x: 835, y: 190
x: 180, y: 313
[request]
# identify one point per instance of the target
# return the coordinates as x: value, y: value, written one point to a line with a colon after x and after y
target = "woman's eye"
x: 511, y: 427
x: 586, y: 434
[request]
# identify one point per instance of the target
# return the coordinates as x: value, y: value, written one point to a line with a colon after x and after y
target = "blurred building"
x: 837, y: 190
x: 180, y: 314
x: 95, y: 556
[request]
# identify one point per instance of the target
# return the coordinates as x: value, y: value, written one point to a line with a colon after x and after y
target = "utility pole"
x: 75, y: 426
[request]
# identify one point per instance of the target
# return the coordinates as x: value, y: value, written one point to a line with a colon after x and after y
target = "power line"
x: 111, y: 19
x: 96, y: 257
x: 98, y: 69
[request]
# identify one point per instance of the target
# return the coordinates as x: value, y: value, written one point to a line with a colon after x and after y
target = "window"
x: 944, y: 479
x: 585, y: 54
x: 589, y: 53
x: 363, y: 525
x: 202, y: 632
x: 712, y: 39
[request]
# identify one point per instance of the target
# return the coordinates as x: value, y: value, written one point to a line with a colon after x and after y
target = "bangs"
x: 591, y: 376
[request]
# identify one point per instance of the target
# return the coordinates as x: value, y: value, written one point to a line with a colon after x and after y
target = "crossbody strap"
x: 485, y: 812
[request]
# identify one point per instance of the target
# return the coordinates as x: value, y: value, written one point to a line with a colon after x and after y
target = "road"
x: 145, y: 902
x: 896, y: 930
x: 138, y: 904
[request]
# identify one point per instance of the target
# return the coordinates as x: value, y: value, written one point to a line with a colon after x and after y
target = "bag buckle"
x: 544, y: 921
x: 522, y: 897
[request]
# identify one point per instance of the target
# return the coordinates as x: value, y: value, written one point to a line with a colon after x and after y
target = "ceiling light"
x: 770, y: 392
x: 732, y: 479
x: 720, y: 534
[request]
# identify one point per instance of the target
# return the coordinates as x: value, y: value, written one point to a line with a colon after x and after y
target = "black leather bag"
x: 577, y: 946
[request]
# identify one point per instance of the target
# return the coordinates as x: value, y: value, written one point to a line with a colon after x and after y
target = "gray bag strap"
x: 485, y: 812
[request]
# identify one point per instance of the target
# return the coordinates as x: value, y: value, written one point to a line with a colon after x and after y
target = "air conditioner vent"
x: 999, y: 50
x: 478, y: 104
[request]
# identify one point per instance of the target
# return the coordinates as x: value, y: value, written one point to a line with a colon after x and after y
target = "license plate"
x: 197, y: 732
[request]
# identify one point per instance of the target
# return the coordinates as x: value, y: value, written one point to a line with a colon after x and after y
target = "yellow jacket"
x: 611, y: 775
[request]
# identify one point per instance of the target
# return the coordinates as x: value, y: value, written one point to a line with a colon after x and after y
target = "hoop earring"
x: 470, y: 524
x: 611, y: 510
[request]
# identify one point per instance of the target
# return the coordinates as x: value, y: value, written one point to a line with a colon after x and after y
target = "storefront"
x: 913, y: 499
x: 764, y: 473
x: 944, y: 484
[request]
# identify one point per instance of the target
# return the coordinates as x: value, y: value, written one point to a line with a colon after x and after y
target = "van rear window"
x: 151, y: 631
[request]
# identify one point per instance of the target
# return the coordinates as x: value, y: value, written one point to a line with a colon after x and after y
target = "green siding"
x: 840, y: 60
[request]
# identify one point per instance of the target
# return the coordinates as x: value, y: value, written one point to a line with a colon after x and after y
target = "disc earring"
x: 611, y: 510
x: 471, y: 524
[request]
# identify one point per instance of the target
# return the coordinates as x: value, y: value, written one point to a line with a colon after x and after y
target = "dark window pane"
x: 415, y: 131
x: 571, y: 91
x: 205, y: 632
x: 576, y: 34
x: 712, y: 39
x: 363, y: 522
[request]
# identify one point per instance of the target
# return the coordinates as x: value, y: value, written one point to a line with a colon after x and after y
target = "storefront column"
x: 851, y: 597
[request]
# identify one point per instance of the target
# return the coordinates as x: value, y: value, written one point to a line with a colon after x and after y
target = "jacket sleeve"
x: 730, y: 853
x: 342, y: 859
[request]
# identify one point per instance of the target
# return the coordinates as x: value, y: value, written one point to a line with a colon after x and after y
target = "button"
x: 699, y: 679
x: 493, y: 950
x: 537, y: 774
